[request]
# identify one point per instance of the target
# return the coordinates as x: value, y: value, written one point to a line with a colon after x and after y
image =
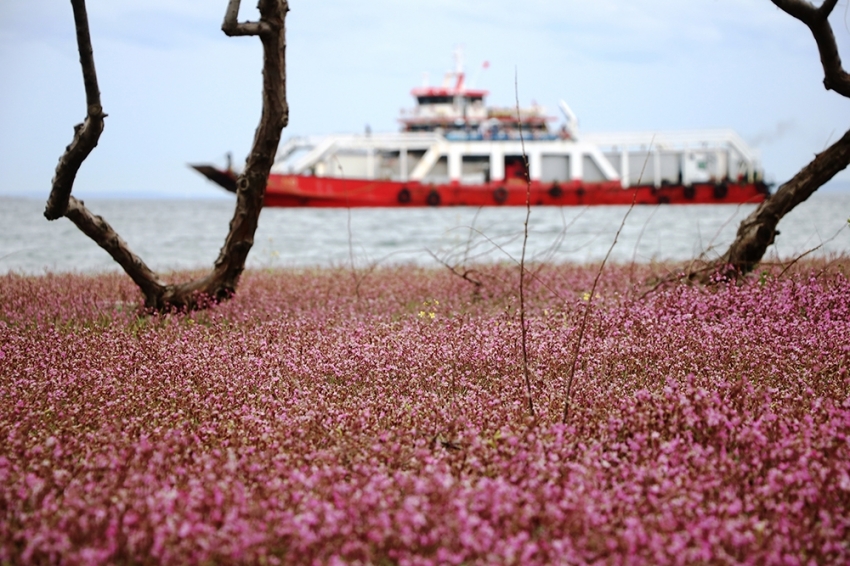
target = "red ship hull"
x: 307, y: 191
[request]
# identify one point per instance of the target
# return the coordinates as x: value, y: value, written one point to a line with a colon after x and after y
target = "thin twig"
x: 548, y: 255
x: 522, y: 257
x: 354, y: 276
x: 469, y: 237
x: 814, y: 249
x: 587, y: 312
x: 645, y: 161
x: 454, y: 271
x: 637, y: 243
x: 593, y: 292
x: 531, y: 274
x: 351, y: 245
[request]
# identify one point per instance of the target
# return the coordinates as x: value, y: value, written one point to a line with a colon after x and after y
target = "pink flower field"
x: 381, y: 417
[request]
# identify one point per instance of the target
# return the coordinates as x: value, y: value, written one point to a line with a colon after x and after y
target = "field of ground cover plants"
x: 381, y: 417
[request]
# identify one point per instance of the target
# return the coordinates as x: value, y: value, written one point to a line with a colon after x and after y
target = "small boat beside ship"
x: 454, y: 150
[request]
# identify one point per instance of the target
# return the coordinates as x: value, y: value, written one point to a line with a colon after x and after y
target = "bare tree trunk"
x: 221, y: 282
x: 758, y: 230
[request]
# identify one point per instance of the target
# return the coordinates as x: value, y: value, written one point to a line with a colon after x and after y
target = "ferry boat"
x: 454, y: 150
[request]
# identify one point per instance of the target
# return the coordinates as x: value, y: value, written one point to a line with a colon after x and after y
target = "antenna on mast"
x: 458, y: 55
x: 474, y: 80
x: 572, y: 121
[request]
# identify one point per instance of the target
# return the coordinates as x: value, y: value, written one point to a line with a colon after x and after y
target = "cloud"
x: 165, y: 66
x: 156, y: 24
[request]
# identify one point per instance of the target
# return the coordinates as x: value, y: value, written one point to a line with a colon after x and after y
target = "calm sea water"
x: 174, y: 234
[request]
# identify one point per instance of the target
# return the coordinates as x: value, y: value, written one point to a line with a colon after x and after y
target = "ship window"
x: 555, y: 168
x: 475, y: 169
x: 592, y: 172
x: 516, y: 167
x: 435, y: 99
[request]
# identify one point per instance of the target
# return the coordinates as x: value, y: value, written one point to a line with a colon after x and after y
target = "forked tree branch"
x: 817, y: 20
x: 233, y: 28
x: 221, y: 282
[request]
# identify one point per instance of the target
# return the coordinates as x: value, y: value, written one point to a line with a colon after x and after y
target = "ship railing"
x: 319, y: 148
x: 500, y: 135
x: 684, y: 140
x: 719, y: 142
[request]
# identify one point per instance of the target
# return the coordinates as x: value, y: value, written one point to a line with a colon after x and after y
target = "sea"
x: 171, y: 235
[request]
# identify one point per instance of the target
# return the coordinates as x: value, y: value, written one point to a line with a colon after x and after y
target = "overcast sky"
x: 177, y: 90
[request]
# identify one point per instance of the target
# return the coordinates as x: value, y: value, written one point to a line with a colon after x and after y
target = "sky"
x: 178, y: 91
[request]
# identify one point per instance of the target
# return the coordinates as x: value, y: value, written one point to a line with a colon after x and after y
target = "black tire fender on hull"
x: 433, y: 198
x: 500, y: 195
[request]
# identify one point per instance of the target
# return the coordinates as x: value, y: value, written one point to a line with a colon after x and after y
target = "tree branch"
x: 758, y: 230
x: 251, y: 184
x: 232, y: 28
x: 817, y: 20
x: 87, y: 134
x: 99, y: 230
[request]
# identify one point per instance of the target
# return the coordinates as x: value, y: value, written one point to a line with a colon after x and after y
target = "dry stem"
x: 522, y: 257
